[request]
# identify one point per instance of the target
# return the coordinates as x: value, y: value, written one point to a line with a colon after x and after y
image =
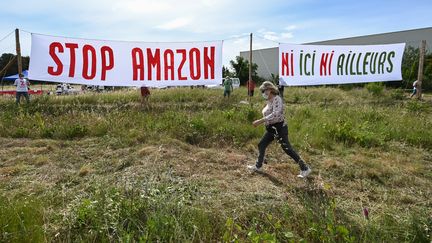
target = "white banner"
x: 301, y: 65
x: 119, y: 63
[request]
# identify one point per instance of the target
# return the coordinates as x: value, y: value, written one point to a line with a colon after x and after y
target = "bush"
x: 397, y: 94
x: 416, y: 106
x: 73, y: 131
x: 376, y: 88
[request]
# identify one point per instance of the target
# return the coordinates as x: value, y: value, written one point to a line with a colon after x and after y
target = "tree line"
x: 5, y: 58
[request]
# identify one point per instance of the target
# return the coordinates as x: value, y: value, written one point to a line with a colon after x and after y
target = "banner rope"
x: 240, y: 36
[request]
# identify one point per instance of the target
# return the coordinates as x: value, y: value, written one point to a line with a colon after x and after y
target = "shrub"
x: 416, y: 106
x: 376, y: 88
x: 252, y: 114
x: 73, y: 131
x: 397, y: 94
x: 21, y: 132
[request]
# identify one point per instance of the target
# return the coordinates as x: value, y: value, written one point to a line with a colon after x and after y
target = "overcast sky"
x: 271, y: 21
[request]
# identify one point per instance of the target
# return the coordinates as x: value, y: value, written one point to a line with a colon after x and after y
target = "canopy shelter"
x: 13, y: 92
x: 13, y: 77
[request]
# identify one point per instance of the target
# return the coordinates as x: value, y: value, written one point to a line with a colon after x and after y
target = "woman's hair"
x: 267, y: 85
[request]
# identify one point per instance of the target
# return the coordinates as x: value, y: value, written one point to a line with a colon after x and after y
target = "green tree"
x: 275, y: 78
x: 225, y: 72
x: 410, y: 65
x: 13, y: 69
x: 241, y: 68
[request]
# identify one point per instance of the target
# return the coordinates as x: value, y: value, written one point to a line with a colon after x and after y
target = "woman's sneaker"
x: 254, y: 168
x: 304, y: 173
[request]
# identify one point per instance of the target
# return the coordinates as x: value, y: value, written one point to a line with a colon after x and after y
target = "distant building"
x: 267, y: 59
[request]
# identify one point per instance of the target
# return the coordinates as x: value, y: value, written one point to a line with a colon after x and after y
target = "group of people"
x: 228, y: 87
x: 250, y: 85
x: 273, y: 117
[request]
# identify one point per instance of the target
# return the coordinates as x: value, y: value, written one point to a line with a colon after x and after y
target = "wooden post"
x: 250, y: 68
x: 420, y: 70
x: 18, y: 51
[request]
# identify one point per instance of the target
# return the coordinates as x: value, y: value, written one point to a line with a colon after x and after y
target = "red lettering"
x: 183, y: 60
x: 169, y: 65
x: 209, y: 62
x: 285, y: 69
x: 287, y: 59
x: 195, y: 62
x: 323, y: 64
x: 106, y: 50
x: 52, y: 52
x: 86, y: 50
x: 72, y: 47
x: 153, y: 61
x: 138, y: 64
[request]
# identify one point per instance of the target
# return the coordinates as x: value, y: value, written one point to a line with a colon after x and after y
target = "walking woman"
x: 276, y: 128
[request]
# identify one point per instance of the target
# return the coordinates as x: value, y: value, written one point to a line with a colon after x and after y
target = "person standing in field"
x: 145, y: 93
x: 276, y: 128
x: 250, y: 84
x: 415, y: 84
x: 22, y: 87
x: 228, y: 87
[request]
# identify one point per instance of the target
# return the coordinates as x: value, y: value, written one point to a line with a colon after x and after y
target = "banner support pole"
x: 250, y: 69
x: 18, y: 51
x: 420, y: 70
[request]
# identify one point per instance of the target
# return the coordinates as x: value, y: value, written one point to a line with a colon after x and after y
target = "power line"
x: 268, y: 39
x: 236, y: 37
x: 7, y: 36
x: 7, y: 48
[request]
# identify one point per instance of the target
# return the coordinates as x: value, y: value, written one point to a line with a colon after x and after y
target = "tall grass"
x: 168, y: 213
x: 21, y: 220
x: 318, y: 117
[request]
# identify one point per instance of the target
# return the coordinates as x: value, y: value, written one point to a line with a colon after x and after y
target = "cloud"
x: 275, y: 36
x: 175, y: 24
x: 272, y: 21
x: 154, y: 20
x: 291, y: 27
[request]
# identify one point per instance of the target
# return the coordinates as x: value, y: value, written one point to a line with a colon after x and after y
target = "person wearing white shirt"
x: 22, y: 85
x: 415, y: 84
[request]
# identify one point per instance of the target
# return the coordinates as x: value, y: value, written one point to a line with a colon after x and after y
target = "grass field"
x: 101, y: 167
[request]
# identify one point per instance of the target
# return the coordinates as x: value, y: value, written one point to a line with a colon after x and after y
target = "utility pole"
x: 250, y: 69
x: 420, y: 70
x: 18, y: 51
